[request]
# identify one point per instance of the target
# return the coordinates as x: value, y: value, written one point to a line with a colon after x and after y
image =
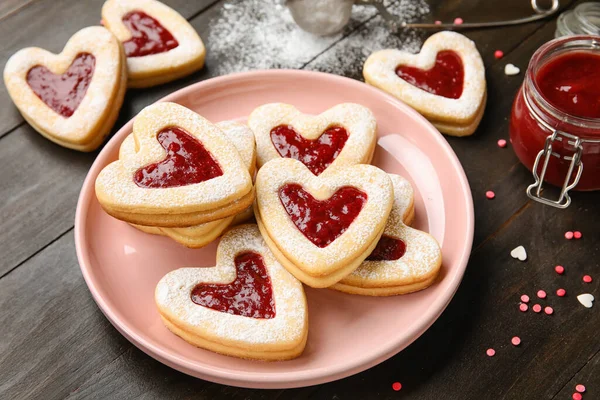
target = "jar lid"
x: 582, y: 20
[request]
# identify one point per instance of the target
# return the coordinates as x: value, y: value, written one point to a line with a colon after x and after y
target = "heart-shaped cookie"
x: 246, y: 306
x: 445, y: 82
x: 72, y: 98
x: 342, y: 135
x: 405, y: 259
x: 160, y: 44
x: 200, y: 235
x: 165, y: 183
x: 321, y: 227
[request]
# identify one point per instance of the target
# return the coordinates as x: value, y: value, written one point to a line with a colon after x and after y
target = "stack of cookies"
x: 179, y: 175
x: 324, y: 217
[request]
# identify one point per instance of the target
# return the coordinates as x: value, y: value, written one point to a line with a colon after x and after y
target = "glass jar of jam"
x: 555, y: 119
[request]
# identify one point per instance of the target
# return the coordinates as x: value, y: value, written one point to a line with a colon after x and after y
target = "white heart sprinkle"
x: 586, y: 299
x: 511, y: 69
x: 519, y: 253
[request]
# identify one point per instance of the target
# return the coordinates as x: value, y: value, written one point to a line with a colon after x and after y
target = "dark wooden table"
x: 55, y: 342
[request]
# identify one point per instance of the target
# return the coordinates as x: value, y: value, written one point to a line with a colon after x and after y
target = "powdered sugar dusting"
x: 286, y: 330
x: 379, y: 71
x: 349, y: 54
x: 358, y: 120
x: 291, y: 242
x: 422, y: 258
x: 261, y: 34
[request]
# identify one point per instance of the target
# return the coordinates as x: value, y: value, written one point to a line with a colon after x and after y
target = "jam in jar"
x: 555, y: 120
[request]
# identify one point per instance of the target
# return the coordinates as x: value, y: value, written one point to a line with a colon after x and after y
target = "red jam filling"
x: 322, y: 221
x: 148, y: 36
x: 249, y: 295
x: 187, y: 162
x: 317, y: 154
x: 63, y: 93
x: 388, y: 249
x: 444, y: 79
x: 571, y: 82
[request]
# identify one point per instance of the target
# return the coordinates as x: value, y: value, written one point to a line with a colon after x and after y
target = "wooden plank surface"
x: 56, y: 343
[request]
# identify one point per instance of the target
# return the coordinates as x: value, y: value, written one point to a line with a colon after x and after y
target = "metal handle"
x: 395, y: 23
x: 534, y: 191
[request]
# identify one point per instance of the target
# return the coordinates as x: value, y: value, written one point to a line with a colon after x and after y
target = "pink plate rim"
x: 284, y: 379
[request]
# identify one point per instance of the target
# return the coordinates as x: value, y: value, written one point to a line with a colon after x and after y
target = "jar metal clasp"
x: 534, y: 191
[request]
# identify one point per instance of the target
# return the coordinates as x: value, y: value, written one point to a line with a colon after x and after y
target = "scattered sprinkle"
x: 438, y: 22
x: 536, y: 308
x: 569, y: 235
x: 577, y: 396
x: 498, y: 54
x: 490, y: 195
x: 523, y: 307
x: 587, y: 279
x: 586, y: 299
x: 502, y: 143
x: 519, y: 253
x: 561, y: 292
x: 515, y: 341
x: 524, y: 298
x: 549, y: 310
x: 458, y: 21
x: 511, y: 69
x: 580, y: 388
x: 541, y: 294
x: 396, y: 386
x: 577, y: 235
x: 559, y: 269
x: 490, y: 352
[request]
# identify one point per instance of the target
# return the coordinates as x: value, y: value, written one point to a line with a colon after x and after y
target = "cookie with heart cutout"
x: 321, y: 228
x: 72, y: 98
x: 445, y: 82
x: 246, y: 306
x: 343, y: 135
x: 159, y: 43
x: 405, y: 259
x: 200, y: 235
x: 186, y: 172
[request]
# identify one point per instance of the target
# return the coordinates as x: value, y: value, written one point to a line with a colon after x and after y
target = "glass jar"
x: 555, y: 140
x: 582, y: 20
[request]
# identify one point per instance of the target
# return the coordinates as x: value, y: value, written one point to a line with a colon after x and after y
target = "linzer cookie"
x: 342, y: 135
x: 405, y: 259
x: 185, y: 172
x: 321, y: 228
x: 160, y: 44
x: 246, y: 306
x: 445, y: 82
x: 72, y: 98
x: 200, y: 235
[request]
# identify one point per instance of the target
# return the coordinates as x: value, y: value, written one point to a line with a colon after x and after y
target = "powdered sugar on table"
x: 261, y: 34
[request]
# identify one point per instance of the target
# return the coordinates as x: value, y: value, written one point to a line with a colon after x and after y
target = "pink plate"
x: 347, y: 334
